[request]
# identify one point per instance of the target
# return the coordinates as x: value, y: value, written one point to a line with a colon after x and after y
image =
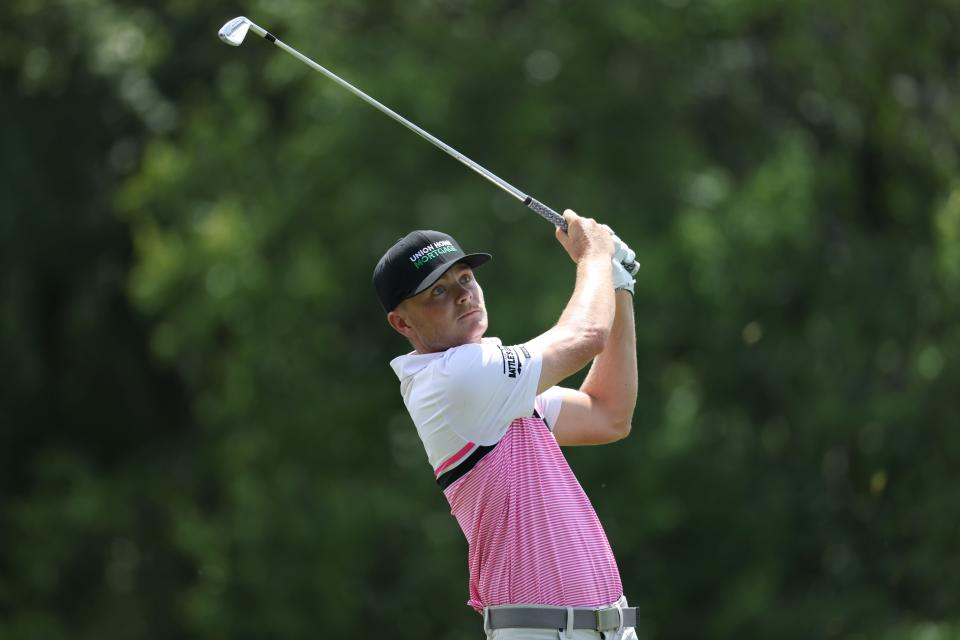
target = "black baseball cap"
x: 415, y: 262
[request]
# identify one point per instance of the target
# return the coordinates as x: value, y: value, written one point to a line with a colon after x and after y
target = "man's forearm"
x: 612, y: 379
x: 589, y: 306
x: 583, y: 328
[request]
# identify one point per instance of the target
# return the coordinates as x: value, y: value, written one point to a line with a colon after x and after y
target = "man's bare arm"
x: 602, y: 410
x: 585, y: 324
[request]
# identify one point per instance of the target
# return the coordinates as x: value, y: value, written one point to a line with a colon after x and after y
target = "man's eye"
x: 465, y: 278
x: 438, y: 291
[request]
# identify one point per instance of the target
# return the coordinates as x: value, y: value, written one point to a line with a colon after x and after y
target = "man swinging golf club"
x: 491, y: 418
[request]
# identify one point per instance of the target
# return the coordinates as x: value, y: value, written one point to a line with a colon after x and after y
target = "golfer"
x: 492, y: 418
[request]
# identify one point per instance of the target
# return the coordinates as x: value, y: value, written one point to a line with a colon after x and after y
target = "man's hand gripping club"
x: 623, y: 278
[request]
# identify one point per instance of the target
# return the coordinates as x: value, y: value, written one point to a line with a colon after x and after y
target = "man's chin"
x: 474, y: 331
x: 477, y: 323
x: 470, y: 331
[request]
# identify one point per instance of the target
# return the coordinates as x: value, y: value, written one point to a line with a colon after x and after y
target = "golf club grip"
x: 552, y: 216
x: 546, y: 212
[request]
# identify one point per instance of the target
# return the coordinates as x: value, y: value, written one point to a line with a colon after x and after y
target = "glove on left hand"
x: 623, y: 254
x: 622, y: 279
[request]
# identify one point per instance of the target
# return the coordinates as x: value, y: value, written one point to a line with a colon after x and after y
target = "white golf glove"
x: 622, y: 277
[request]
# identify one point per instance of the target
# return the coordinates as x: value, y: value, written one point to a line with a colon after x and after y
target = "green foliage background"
x: 199, y: 433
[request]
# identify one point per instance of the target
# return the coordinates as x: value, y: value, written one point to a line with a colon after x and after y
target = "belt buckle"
x: 607, y: 619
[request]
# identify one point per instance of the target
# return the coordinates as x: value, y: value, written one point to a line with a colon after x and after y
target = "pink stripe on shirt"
x: 454, y: 458
x: 533, y: 535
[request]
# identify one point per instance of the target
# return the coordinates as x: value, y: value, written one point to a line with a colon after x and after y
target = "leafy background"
x: 199, y: 433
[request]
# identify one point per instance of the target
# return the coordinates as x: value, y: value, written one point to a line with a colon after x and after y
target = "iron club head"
x: 235, y: 31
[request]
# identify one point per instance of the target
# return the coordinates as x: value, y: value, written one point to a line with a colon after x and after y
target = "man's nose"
x: 463, y: 293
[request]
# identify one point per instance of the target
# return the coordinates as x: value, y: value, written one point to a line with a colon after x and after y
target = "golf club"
x: 234, y: 32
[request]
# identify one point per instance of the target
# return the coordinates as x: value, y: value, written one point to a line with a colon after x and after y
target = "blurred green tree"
x: 203, y: 438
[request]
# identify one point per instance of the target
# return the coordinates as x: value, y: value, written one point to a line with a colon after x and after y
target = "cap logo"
x: 431, y: 251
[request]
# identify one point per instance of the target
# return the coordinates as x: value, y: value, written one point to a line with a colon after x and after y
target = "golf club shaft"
x: 535, y: 205
x: 538, y: 207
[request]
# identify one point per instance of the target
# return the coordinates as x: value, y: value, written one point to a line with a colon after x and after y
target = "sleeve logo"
x: 512, y: 364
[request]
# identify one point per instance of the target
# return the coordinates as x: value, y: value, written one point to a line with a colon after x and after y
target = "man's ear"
x: 399, y: 323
